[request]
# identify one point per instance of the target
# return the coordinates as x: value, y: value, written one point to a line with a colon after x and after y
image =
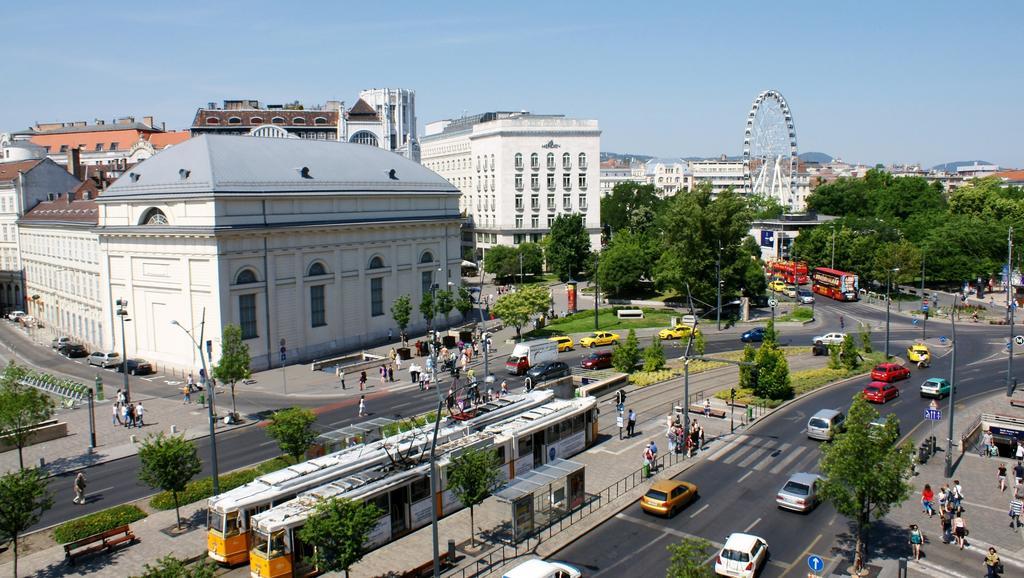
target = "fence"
x: 70, y: 392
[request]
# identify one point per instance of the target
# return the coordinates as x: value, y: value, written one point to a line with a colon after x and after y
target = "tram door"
x: 399, y: 511
x: 538, y: 449
x: 302, y: 555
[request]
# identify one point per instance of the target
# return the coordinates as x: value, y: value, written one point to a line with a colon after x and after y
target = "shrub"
x: 654, y: 356
x: 99, y: 522
x: 203, y: 488
x: 626, y: 355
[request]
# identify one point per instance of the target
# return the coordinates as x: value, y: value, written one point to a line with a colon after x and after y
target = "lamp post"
x: 888, y: 278
x: 122, y: 312
x: 718, y: 276
x: 952, y: 390
x: 209, y: 406
x: 1010, y: 306
x: 924, y: 322
x: 597, y: 291
x: 433, y: 445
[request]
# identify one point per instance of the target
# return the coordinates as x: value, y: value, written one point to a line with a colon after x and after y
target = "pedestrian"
x: 1001, y: 478
x: 120, y: 397
x: 946, y: 521
x: 125, y: 415
x: 362, y: 405
x: 1016, y: 505
x: 383, y: 374
x: 700, y: 436
x: 959, y: 528
x: 993, y: 565
x: 671, y: 436
x: 1020, y: 450
x: 139, y: 413
x: 649, y: 460
x: 191, y: 383
x: 115, y: 419
x: 129, y: 415
x: 1018, y: 475
x: 707, y: 407
x: 943, y: 497
x: 389, y: 335
x: 916, y: 539
x: 187, y: 393
x: 362, y: 380
x: 957, y: 494
x: 79, y: 487
x: 842, y: 322
x: 391, y: 373
x: 927, y: 497
x: 986, y: 443
x: 338, y: 371
x: 654, y: 451
x: 504, y: 388
x: 398, y: 363
x: 631, y: 424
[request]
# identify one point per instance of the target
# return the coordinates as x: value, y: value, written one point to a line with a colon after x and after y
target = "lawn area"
x: 807, y: 380
x: 584, y: 322
x: 797, y: 314
x: 674, y: 367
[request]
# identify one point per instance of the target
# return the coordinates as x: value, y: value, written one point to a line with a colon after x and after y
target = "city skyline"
x: 903, y: 85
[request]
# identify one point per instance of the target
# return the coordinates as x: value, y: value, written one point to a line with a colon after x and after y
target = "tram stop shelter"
x: 339, y: 439
x: 543, y: 496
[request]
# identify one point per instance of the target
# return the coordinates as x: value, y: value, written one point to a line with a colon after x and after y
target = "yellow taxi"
x: 677, y: 332
x: 666, y: 497
x: 599, y: 338
x: 777, y: 286
x: 564, y: 342
x: 919, y: 352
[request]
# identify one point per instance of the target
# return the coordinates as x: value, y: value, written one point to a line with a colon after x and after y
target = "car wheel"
x: 615, y: 342
x: 819, y: 342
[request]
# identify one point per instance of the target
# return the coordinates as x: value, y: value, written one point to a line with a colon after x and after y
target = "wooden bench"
x: 98, y: 542
x: 427, y: 568
x: 697, y: 408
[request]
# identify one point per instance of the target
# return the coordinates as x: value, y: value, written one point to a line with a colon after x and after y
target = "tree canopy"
x: 23, y: 499
x: 168, y: 463
x: 21, y: 407
x: 472, y: 476
x: 515, y: 308
x: 293, y: 431
x: 503, y: 262
x: 234, y: 360
x: 568, y: 246
x: 338, y: 529
x: 631, y: 207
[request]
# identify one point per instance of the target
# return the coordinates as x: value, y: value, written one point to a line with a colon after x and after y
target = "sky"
x: 869, y: 81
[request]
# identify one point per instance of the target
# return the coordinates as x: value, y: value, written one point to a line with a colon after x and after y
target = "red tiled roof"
x: 9, y: 171
x: 78, y: 210
x: 362, y: 111
x: 161, y: 140
x: 1016, y: 175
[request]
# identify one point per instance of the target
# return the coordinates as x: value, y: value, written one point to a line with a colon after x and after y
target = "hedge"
x: 95, y: 523
x: 203, y: 488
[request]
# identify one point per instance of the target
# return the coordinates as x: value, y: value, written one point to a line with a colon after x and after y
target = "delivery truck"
x: 529, y: 353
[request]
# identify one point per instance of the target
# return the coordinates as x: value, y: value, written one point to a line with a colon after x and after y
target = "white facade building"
x: 303, y: 243
x: 395, y: 129
x: 668, y: 175
x: 517, y: 172
x: 721, y: 172
x: 614, y: 172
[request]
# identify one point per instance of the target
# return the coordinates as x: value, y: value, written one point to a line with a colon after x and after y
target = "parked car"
x: 753, y: 335
x: 678, y: 332
x: 109, y: 359
x: 29, y: 321
x: 137, y: 367
x: 819, y: 349
x: 59, y: 342
x: 597, y: 360
x: 805, y: 296
x: 743, y: 556
x: 564, y: 342
x: 799, y: 493
x: 547, y: 370
x: 599, y: 338
x: 15, y: 315
x: 889, y: 372
x: 880, y: 392
x: 825, y: 424
x: 834, y: 338
x: 936, y: 387
x: 73, y: 350
x: 666, y: 497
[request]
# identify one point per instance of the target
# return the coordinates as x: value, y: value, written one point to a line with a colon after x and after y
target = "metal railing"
x: 70, y: 392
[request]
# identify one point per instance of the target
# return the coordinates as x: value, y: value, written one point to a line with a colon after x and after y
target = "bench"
x: 427, y: 568
x: 719, y: 413
x: 630, y: 313
x: 98, y: 542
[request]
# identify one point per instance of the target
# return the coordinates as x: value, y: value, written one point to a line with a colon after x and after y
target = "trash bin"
x: 750, y: 413
x: 403, y: 353
x: 448, y: 341
x: 647, y: 469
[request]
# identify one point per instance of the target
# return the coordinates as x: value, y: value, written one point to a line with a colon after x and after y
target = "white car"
x: 15, y: 315
x: 805, y: 296
x: 537, y: 568
x: 743, y: 556
x: 834, y: 338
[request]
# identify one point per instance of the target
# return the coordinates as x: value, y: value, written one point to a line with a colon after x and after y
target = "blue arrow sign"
x: 924, y: 308
x: 933, y: 414
x: 815, y: 563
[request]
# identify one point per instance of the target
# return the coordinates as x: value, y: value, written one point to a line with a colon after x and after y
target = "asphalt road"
x: 738, y: 481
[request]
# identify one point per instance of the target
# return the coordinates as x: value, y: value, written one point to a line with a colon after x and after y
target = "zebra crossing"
x: 765, y: 454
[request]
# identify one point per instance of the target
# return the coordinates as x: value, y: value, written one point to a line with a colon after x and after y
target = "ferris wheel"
x: 769, y: 148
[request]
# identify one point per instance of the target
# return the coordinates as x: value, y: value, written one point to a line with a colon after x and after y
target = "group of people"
x: 678, y: 439
x: 127, y: 414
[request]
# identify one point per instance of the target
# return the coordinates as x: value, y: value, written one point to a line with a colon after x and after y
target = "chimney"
x: 75, y: 162
x: 148, y: 121
x: 163, y: 126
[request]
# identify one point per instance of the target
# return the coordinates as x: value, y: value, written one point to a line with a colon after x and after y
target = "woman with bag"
x: 916, y: 539
x: 959, y: 528
x: 993, y: 565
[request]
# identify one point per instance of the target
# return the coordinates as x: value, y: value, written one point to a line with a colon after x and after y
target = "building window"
x: 535, y: 202
x: 298, y: 120
x: 567, y: 203
x: 234, y: 120
x: 212, y: 120
x: 583, y: 161
x: 99, y: 147
x: 534, y: 161
x: 583, y: 182
x: 427, y: 257
x: 256, y: 120
x: 519, y: 202
x: 63, y: 148
x: 277, y: 120
x: 114, y: 145
x: 319, y: 120
x: 426, y: 280
x: 492, y: 162
x: 519, y: 182
x: 493, y: 180
x: 567, y: 181
x: 365, y: 138
x: 247, y: 315
x: 551, y: 202
x: 566, y: 161
x: 519, y: 161
x: 377, y: 296
x: 551, y: 220
x: 519, y: 221
x: 535, y: 222
x: 535, y: 182
x: 583, y: 201
x: 154, y: 216
x: 316, y: 269
x: 551, y: 161
x: 317, y: 311
x: 551, y: 182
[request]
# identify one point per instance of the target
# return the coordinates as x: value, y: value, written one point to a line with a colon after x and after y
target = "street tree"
x: 515, y: 308
x: 865, y: 337
x: 848, y: 353
x: 773, y: 381
x: 865, y: 472
x: 771, y: 335
x: 472, y: 476
x: 502, y: 261
x: 168, y: 463
x: 234, y: 360
x: 688, y: 559
x: 746, y: 371
x: 699, y: 343
x: 631, y: 207
x: 626, y: 262
x: 445, y: 302
x: 338, y: 530
x: 464, y: 302
x: 293, y: 431
x: 23, y: 499
x: 428, y: 309
x: 568, y: 246
x: 654, y: 355
x: 401, y: 312
x: 21, y: 407
x: 171, y: 567
x: 533, y: 258
x: 627, y: 354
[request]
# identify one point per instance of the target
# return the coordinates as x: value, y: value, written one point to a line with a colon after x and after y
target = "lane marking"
x: 268, y: 443
x: 752, y: 524
x: 744, y: 476
x: 803, y: 555
x: 702, y: 508
x: 727, y: 447
x: 934, y: 569
x: 101, y: 490
x: 651, y: 525
x: 788, y: 459
x: 757, y: 454
x: 765, y: 462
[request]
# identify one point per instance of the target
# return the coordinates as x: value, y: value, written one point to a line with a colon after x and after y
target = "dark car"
x: 73, y: 350
x: 546, y: 370
x: 754, y: 335
x: 819, y: 349
x: 137, y: 367
x: 597, y: 360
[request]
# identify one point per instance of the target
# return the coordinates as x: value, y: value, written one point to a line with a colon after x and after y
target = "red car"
x: 881, y: 392
x: 597, y: 360
x: 889, y: 372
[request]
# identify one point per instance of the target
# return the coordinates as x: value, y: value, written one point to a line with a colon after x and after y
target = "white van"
x: 529, y: 353
x: 538, y: 568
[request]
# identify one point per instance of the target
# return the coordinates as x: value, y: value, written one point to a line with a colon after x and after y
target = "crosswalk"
x: 765, y: 454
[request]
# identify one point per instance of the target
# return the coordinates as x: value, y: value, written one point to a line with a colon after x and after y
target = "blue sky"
x: 869, y: 81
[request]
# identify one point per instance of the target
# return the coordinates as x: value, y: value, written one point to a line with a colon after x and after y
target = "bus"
x: 838, y: 285
x: 559, y: 429
x: 793, y: 272
x: 229, y: 514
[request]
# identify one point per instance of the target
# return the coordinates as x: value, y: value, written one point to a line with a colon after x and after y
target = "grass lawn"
x: 674, y: 367
x: 807, y: 380
x: 797, y: 314
x: 584, y: 322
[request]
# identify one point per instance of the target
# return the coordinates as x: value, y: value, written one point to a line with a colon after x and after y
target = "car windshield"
x: 818, y: 422
x: 735, y: 555
x: 656, y: 495
x: 513, y: 359
x: 796, y: 488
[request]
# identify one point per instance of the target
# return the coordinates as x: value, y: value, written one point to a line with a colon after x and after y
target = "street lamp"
x: 209, y: 406
x: 122, y: 312
x: 888, y: 277
x: 434, y: 515
x: 952, y: 390
x: 718, y: 276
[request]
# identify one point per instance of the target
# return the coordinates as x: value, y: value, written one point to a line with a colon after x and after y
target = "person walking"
x: 362, y: 405
x: 79, y: 487
x: 383, y: 374
x: 1020, y: 451
x: 993, y: 565
x: 120, y: 397
x: 1016, y: 506
x: 986, y: 443
x: 946, y: 523
x: 700, y: 437
x: 927, y: 497
x: 1018, y: 475
x: 957, y: 494
x: 959, y: 528
x: 341, y: 376
x: 139, y: 413
x: 842, y: 322
x: 631, y: 423
x: 362, y: 380
x: 129, y: 415
x: 707, y: 407
x: 187, y: 393
x: 391, y: 373
x: 916, y: 539
x: 1001, y: 477
x: 125, y: 415
x: 191, y: 383
x: 504, y: 388
x: 115, y: 419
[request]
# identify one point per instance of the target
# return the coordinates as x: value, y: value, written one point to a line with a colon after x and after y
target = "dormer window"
x: 277, y: 120
x: 212, y: 120
x: 256, y: 120
x: 319, y: 120
x: 298, y: 120
x: 234, y: 120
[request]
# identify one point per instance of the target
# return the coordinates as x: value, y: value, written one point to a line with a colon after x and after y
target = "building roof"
x: 260, y: 116
x: 142, y: 127
x: 160, y: 140
x: 9, y: 171
x: 362, y: 111
x: 1012, y: 176
x: 232, y: 164
x: 65, y: 209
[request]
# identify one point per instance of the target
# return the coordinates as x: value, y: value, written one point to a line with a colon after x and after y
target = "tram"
x: 559, y: 429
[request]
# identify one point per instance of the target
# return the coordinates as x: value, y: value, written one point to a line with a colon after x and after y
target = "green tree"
x: 168, y: 463
x: 171, y: 567
x: 626, y: 261
x: 533, y: 258
x: 293, y: 431
x: 627, y: 354
x: 848, y: 353
x: 688, y: 559
x: 568, y: 246
x: 865, y: 337
x: 834, y: 362
x: 515, y: 308
x: 428, y: 308
x: 472, y: 476
x: 746, y: 371
x: 773, y: 380
x: 865, y: 471
x: 464, y: 302
x: 654, y: 355
x: 21, y: 407
x: 401, y: 312
x: 23, y: 499
x: 445, y: 302
x: 698, y: 343
x: 631, y: 207
x: 771, y: 335
x: 338, y: 529
x: 234, y: 360
x: 502, y: 261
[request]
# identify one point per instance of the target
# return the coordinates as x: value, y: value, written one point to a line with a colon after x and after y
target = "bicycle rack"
x: 68, y: 391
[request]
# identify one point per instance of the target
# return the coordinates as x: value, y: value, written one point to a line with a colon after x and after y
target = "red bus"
x: 794, y: 272
x: 838, y: 285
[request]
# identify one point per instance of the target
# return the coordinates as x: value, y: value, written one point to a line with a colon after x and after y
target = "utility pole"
x: 122, y: 312
x: 597, y: 291
x: 520, y: 268
x: 434, y: 515
x: 952, y: 392
x: 924, y: 322
x: 718, y: 276
x: 1011, y: 301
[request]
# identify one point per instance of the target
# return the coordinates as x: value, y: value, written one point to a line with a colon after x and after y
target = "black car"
x: 546, y: 370
x: 136, y: 367
x: 73, y: 350
x: 819, y: 349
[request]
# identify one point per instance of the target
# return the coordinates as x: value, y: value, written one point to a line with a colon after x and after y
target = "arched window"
x: 212, y: 120
x: 551, y: 161
x: 534, y: 161
x: 298, y: 120
x: 519, y: 161
x: 427, y: 257
x: 315, y: 269
x: 154, y: 216
x: 234, y: 120
x: 277, y: 120
x: 583, y: 161
x: 319, y: 120
x: 566, y: 161
x: 245, y: 277
x: 376, y: 263
x: 364, y: 137
x: 256, y: 120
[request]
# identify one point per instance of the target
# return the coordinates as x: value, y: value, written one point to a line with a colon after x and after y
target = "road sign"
x: 932, y: 414
x: 1019, y: 339
x: 925, y: 306
x: 943, y: 340
x: 773, y: 302
x: 934, y: 404
x: 815, y: 563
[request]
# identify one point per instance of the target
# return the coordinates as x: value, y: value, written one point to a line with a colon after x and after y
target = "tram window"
x: 381, y: 502
x: 500, y: 453
x: 577, y: 423
x: 214, y: 521
x: 231, y: 525
x: 552, y: 435
x: 420, y: 489
x: 526, y: 446
x: 277, y: 544
x: 566, y: 429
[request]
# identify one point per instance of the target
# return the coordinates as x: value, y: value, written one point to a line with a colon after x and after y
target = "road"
x: 758, y: 463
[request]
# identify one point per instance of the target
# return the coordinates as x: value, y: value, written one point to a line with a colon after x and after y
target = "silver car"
x: 800, y: 493
x: 108, y: 359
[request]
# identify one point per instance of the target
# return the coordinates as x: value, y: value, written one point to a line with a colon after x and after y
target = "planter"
x: 403, y: 353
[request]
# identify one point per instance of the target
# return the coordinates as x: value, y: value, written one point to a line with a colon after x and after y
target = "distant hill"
x: 951, y: 167
x: 813, y: 157
x: 624, y: 157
